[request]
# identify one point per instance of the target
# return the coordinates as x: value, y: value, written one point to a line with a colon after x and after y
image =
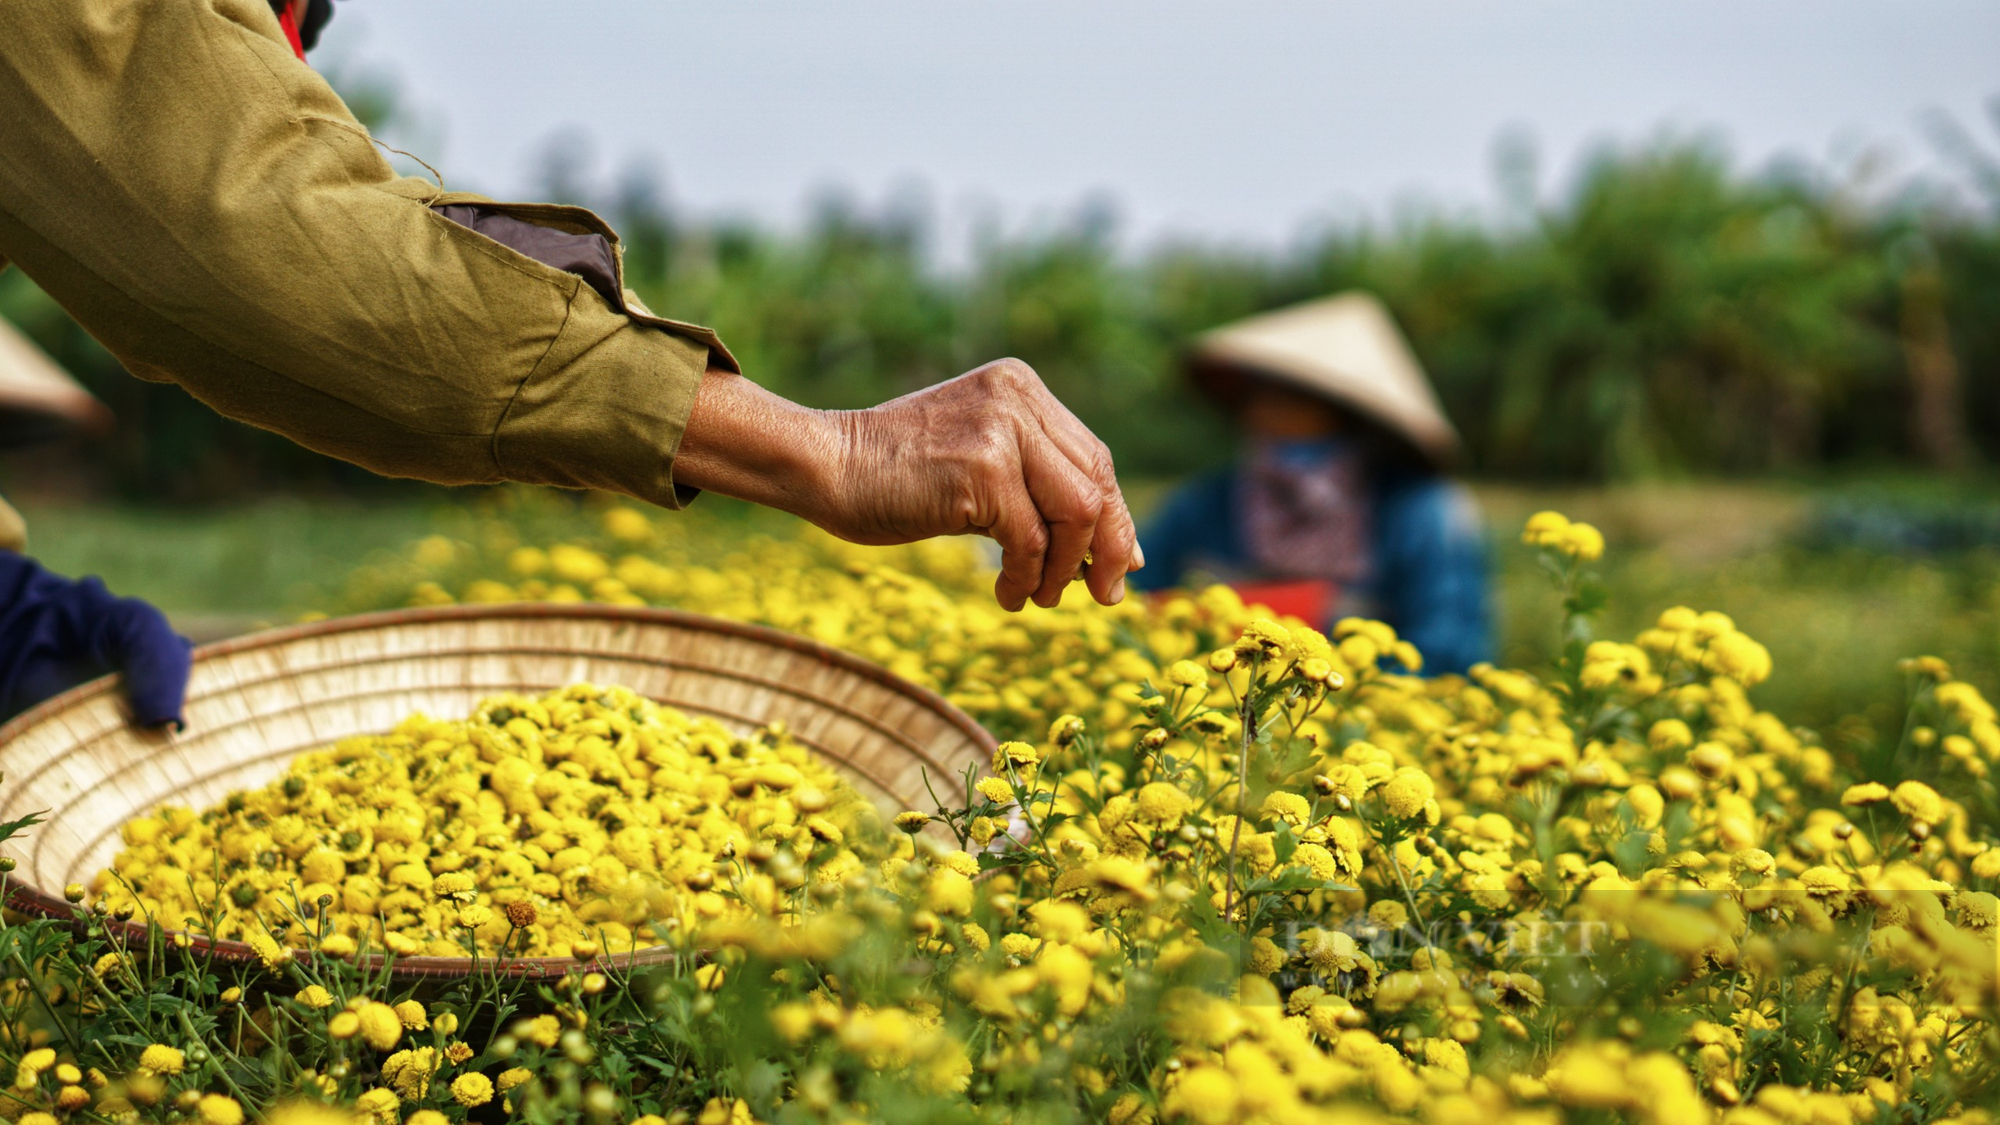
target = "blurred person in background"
x: 202, y: 203
x: 1338, y: 506
x: 56, y: 633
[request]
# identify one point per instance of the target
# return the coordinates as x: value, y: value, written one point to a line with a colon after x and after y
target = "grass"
x: 218, y: 571
x: 1836, y: 620
x: 223, y: 568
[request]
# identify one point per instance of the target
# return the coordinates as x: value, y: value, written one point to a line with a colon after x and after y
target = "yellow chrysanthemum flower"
x: 219, y: 1109
x: 379, y: 1024
x: 473, y: 1089
x: 162, y: 1059
x: 1163, y: 803
x: 1407, y: 792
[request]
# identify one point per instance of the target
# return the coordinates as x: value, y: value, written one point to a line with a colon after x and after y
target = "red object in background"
x: 291, y: 27
x: 1309, y: 600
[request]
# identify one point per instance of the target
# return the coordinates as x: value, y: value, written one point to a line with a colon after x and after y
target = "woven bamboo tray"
x: 256, y: 702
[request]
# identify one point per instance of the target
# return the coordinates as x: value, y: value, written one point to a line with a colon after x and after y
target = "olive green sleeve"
x: 205, y: 205
x: 13, y: 531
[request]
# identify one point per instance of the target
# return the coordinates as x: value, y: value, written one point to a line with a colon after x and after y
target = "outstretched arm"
x: 204, y: 205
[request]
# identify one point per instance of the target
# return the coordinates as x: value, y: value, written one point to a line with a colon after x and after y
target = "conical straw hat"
x: 36, y: 396
x: 1346, y: 348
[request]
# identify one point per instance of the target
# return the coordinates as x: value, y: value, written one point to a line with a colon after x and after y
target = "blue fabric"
x: 1429, y: 579
x: 56, y: 633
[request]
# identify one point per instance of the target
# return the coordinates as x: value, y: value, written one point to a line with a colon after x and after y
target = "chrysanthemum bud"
x: 786, y: 871
x: 1065, y: 730
x: 600, y: 1101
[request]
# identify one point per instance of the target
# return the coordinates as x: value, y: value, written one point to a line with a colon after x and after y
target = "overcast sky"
x: 1237, y: 121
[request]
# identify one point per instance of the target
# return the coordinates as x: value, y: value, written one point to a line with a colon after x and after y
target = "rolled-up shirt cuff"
x: 605, y: 410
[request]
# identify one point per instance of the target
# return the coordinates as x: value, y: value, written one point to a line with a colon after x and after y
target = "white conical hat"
x: 35, y: 391
x: 1347, y: 348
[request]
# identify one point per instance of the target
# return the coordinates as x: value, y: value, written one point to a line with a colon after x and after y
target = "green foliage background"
x: 1670, y: 315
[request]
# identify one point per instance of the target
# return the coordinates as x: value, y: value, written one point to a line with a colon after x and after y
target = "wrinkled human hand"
x: 991, y: 452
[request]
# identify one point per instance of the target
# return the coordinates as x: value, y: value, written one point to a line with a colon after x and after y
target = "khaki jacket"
x: 205, y: 205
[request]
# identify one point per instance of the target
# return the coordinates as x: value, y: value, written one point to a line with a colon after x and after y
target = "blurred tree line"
x: 1670, y: 315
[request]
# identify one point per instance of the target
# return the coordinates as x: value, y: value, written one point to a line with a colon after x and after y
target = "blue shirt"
x: 1428, y: 581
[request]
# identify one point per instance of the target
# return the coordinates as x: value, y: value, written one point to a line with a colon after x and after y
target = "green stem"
x: 187, y: 1028
x: 41, y: 997
x: 1396, y: 865
x: 1249, y: 734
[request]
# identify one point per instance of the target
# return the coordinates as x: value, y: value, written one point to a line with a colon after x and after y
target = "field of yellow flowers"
x: 1224, y: 869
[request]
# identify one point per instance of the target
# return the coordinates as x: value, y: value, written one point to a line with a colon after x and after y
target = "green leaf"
x: 1291, y: 880
x: 9, y: 829
x: 1284, y: 842
x: 1630, y: 852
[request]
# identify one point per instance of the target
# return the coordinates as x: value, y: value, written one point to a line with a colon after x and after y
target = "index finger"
x: 1018, y: 528
x: 1072, y: 506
